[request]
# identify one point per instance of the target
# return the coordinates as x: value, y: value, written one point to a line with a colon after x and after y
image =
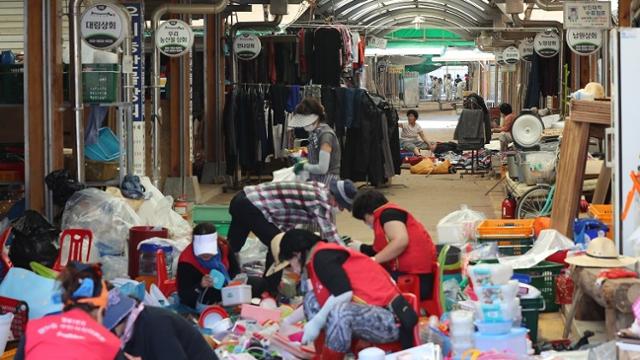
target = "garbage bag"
x: 108, y: 217
x: 62, y: 185
x: 459, y: 226
x: 34, y: 239
x: 159, y: 212
x: 253, y: 257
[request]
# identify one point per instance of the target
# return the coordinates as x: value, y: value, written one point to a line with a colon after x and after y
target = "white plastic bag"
x: 158, y: 212
x: 459, y: 226
x: 252, y: 257
x: 548, y: 243
x: 287, y: 175
x: 108, y: 217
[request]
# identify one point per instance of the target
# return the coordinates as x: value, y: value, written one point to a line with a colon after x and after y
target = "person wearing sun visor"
x: 324, y: 157
x: 347, y: 295
x: 77, y: 332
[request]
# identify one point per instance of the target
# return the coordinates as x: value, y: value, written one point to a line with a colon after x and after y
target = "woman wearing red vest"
x: 77, y: 332
x: 401, y: 243
x: 347, y: 296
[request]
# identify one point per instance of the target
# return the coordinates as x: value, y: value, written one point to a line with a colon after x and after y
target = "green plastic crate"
x: 211, y: 213
x: 543, y: 277
x: 12, y: 84
x: 530, y: 315
x: 100, y: 83
x: 510, y: 247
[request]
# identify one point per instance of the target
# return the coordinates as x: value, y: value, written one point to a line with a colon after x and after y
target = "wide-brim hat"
x: 302, y: 120
x: 344, y: 191
x: 601, y: 253
x: 275, y: 252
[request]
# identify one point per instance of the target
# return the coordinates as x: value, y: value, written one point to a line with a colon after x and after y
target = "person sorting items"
x: 504, y: 131
x: 84, y: 296
x: 149, y: 332
x: 324, y: 156
x: 412, y: 137
x: 348, y: 295
x: 270, y: 208
x: 401, y: 243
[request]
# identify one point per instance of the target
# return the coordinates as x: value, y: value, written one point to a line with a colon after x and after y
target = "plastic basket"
x: 543, y: 277
x: 510, y: 247
x: 601, y: 212
x: 521, y: 228
x: 531, y: 309
x: 217, y: 214
x: 106, y: 149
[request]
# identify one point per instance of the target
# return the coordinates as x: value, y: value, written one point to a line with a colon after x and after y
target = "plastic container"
x: 236, y: 295
x: 147, y: 258
x: 531, y: 309
x: 537, y: 167
x: 371, y: 353
x: 514, y: 341
x: 510, y: 247
x: 100, y: 83
x: 494, y: 328
x: 499, y: 228
x: 137, y: 234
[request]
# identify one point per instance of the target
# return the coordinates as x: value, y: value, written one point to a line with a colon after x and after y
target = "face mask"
x: 309, y: 128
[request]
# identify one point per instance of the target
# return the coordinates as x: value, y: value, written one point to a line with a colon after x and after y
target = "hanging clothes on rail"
x: 327, y: 46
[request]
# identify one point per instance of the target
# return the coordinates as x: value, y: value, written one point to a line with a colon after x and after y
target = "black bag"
x: 408, y: 320
x: 34, y: 239
x: 62, y: 185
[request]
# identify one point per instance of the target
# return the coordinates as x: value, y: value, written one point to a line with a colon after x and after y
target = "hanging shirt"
x: 410, y: 132
x: 327, y: 56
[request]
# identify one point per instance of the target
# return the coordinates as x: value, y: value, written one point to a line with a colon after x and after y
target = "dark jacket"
x: 160, y: 334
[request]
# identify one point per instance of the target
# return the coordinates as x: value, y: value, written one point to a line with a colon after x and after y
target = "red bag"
x: 564, y: 288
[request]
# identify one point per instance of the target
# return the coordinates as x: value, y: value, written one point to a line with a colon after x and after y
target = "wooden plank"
x: 209, y: 119
x: 603, y: 186
x: 592, y: 118
x: 624, y: 13
x: 573, y: 155
x: 33, y: 105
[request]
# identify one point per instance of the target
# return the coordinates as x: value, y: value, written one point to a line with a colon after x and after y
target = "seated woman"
x: 207, y: 252
x: 152, y: 332
x: 412, y: 137
x: 401, y: 243
x: 350, y: 294
x: 504, y: 131
x: 84, y: 295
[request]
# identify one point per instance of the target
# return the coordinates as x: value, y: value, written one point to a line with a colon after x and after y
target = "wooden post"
x: 624, y: 13
x: 57, y: 86
x: 210, y: 80
x: 174, y: 116
x: 34, y: 106
x: 603, y: 185
x: 570, y: 176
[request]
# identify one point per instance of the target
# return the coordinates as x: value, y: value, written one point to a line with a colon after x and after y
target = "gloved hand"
x: 355, y: 245
x: 311, y: 330
x: 298, y: 167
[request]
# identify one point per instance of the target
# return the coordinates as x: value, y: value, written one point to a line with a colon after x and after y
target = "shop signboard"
x: 247, y: 46
x: 136, y: 12
x: 174, y: 38
x: 588, y: 14
x: 376, y: 42
x: 584, y: 41
x: 102, y: 26
x: 499, y: 57
x: 511, y: 55
x: 526, y: 49
x: 547, y: 44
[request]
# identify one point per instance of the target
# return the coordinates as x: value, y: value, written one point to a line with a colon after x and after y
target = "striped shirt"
x: 290, y: 204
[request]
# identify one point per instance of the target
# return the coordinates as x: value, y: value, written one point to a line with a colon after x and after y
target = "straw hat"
x: 275, y: 251
x: 601, y: 253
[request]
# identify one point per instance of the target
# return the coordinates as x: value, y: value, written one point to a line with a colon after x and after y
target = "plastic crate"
x: 603, y: 213
x: 543, y: 277
x: 510, y: 247
x: 216, y: 214
x: 531, y: 309
x: 504, y: 228
x: 100, y: 83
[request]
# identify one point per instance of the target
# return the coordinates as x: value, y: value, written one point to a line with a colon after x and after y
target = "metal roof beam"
x: 470, y: 10
x: 436, y: 10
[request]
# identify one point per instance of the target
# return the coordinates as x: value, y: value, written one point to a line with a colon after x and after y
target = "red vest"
x: 73, y: 335
x: 187, y: 256
x: 418, y: 257
x: 370, y: 283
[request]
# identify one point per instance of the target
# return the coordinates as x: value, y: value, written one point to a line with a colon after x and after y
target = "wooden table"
x: 616, y: 297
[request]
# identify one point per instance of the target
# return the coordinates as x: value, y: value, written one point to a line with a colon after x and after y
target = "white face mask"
x: 310, y: 128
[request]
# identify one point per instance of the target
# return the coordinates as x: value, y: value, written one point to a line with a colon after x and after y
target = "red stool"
x: 410, y: 283
x: 4, y: 257
x: 77, y: 239
x: 167, y: 286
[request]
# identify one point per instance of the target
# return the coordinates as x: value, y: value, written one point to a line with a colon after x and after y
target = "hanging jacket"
x: 419, y: 255
x: 370, y: 283
x: 471, y: 129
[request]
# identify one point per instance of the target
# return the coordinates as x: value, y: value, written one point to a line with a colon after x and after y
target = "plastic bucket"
x: 5, y: 329
x: 138, y: 234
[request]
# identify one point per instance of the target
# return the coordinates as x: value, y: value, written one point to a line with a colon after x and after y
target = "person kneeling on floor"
x: 208, y: 254
x: 412, y: 137
x: 401, y: 243
x: 348, y: 295
x: 151, y: 332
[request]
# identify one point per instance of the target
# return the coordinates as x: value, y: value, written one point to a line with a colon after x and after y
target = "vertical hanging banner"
x: 136, y: 12
x: 547, y: 44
